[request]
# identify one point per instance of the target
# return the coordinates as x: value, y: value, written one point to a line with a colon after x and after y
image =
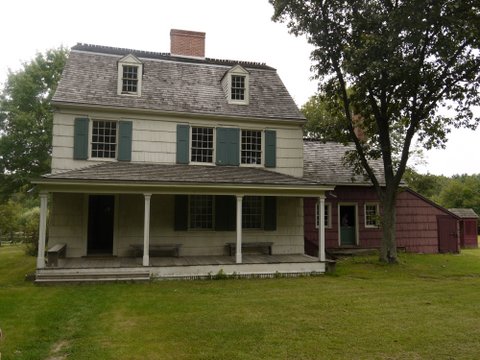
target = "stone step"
x: 55, y: 277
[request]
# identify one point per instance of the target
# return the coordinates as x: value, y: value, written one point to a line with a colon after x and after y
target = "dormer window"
x: 130, y: 71
x: 238, y: 87
x: 130, y: 79
x: 235, y: 84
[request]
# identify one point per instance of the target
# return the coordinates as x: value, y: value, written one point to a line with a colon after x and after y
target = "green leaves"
x: 26, y: 120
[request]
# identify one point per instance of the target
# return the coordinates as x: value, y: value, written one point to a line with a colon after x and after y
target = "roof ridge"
x: 167, y: 56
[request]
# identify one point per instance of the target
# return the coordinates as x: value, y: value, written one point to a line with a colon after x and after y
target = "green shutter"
x: 228, y: 148
x: 225, y: 213
x: 183, y: 140
x: 270, y: 213
x: 80, y: 139
x: 181, y: 212
x: 124, y: 141
x: 270, y: 148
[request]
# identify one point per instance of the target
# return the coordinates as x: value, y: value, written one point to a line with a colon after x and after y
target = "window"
x: 130, y: 79
x: 130, y: 72
x: 251, y: 147
x: 202, y: 144
x: 252, y: 211
x: 201, y: 212
x: 104, y: 139
x: 327, y: 215
x: 238, y: 87
x: 371, y: 215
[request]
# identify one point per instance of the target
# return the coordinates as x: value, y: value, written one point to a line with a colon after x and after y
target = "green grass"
x: 426, y: 307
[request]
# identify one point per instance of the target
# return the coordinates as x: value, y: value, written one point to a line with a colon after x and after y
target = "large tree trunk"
x: 388, y: 248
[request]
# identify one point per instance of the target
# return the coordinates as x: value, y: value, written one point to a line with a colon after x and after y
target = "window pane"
x: 252, y: 211
x: 251, y: 147
x: 104, y: 139
x: 238, y: 87
x: 202, y: 144
x: 371, y: 215
x: 201, y: 212
x: 130, y: 79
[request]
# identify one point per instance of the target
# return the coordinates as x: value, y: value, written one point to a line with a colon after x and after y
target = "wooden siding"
x: 468, y: 233
x: 416, y: 220
x: 68, y: 221
x: 154, y: 139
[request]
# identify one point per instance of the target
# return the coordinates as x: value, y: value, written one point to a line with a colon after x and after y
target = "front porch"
x: 112, y: 268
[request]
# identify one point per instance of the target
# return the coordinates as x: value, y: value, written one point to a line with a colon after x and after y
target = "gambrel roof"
x: 171, y: 84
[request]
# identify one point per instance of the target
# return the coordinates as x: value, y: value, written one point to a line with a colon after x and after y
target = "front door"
x: 447, y: 234
x: 100, y: 224
x: 348, y: 221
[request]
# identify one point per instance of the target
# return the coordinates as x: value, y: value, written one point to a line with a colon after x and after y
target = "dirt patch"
x: 58, y: 347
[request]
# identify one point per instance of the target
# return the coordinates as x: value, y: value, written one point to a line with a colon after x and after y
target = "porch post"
x: 146, y: 231
x: 239, y: 230
x: 321, y: 228
x: 42, y: 231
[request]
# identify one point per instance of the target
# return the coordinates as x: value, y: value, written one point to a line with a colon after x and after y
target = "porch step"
x: 49, y: 276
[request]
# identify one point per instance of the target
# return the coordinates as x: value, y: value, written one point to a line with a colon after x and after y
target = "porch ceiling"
x: 118, y: 177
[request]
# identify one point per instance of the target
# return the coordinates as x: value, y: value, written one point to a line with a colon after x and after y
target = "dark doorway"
x: 100, y: 224
x: 447, y: 234
x: 348, y: 223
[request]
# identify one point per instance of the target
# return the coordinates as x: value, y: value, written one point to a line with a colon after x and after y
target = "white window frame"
x: 377, y: 214
x: 328, y: 214
x: 130, y: 60
x: 90, y: 140
x: 190, y: 145
x: 262, y: 146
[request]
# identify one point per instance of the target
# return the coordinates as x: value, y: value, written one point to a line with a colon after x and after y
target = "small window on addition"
x: 238, y: 87
x: 371, y: 215
x: 130, y: 79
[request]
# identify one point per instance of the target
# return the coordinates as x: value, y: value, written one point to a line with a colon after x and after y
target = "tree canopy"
x: 389, y: 67
x: 26, y: 120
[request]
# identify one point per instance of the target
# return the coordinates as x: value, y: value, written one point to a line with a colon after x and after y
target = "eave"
x: 177, y: 114
x: 133, y: 187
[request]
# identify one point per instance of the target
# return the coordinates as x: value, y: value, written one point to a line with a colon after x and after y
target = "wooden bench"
x: 250, y: 245
x: 156, y: 249
x: 55, y: 252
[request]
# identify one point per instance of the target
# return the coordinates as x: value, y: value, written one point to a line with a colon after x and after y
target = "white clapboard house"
x: 173, y: 165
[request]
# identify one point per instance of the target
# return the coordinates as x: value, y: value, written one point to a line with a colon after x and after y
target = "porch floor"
x: 94, y: 262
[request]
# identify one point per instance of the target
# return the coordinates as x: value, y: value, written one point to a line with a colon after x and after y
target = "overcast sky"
x: 240, y: 30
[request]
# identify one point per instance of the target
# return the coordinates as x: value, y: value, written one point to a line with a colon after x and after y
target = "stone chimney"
x: 187, y: 43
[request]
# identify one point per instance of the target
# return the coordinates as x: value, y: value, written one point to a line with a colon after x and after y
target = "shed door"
x: 447, y: 234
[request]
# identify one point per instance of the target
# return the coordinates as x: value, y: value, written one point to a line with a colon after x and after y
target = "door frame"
x: 339, y: 220
x: 85, y: 222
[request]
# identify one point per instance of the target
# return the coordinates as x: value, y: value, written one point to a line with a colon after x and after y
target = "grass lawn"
x: 427, y: 307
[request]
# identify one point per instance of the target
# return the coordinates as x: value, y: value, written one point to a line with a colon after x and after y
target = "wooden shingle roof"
x: 171, y: 84
x: 324, y: 162
x: 464, y: 213
x: 178, y: 174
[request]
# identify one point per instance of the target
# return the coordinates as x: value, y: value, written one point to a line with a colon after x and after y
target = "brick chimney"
x: 187, y: 43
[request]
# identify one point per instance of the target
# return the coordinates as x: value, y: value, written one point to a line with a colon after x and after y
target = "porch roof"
x: 180, y: 178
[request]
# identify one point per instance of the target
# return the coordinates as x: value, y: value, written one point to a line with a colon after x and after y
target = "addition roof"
x: 464, y: 213
x: 171, y: 84
x: 324, y: 162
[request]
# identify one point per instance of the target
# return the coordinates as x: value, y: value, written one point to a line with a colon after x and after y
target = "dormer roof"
x: 171, y: 84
